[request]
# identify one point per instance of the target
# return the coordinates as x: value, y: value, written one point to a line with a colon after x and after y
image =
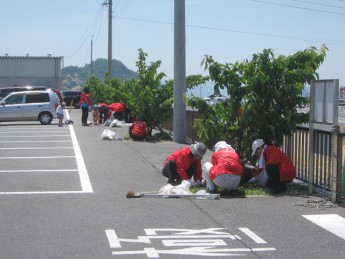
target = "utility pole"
x: 91, y: 59
x: 179, y: 115
x: 110, y: 2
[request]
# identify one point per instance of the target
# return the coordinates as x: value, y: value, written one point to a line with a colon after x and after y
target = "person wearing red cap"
x: 184, y: 164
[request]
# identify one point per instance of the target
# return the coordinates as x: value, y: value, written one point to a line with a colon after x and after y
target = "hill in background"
x: 73, y: 77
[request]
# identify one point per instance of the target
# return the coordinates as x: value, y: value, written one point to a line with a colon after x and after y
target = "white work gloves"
x: 194, y: 184
x: 252, y: 180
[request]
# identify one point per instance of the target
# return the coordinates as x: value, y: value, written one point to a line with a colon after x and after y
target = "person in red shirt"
x: 184, y: 164
x: 103, y: 112
x: 138, y: 130
x: 225, y: 169
x: 85, y: 104
x: 119, y: 110
x: 275, y: 163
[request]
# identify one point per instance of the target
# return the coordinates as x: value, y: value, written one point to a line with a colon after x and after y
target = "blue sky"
x: 228, y: 30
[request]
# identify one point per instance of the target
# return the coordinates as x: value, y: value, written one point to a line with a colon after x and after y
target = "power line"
x: 84, y: 38
x: 297, y: 7
x: 335, y: 42
x: 313, y: 3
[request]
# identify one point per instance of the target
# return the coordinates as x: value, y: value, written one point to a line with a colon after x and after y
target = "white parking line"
x: 32, y: 148
x: 34, y: 171
x: 35, y: 157
x: 331, y: 222
x: 35, y: 141
x: 83, y: 175
x: 41, y: 136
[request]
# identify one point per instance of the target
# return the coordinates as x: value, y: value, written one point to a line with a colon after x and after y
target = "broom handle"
x: 206, y: 196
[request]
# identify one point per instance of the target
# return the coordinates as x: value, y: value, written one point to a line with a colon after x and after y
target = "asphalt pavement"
x: 71, y: 203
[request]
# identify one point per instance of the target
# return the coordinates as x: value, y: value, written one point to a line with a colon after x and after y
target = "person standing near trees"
x: 85, y: 104
x: 275, y: 164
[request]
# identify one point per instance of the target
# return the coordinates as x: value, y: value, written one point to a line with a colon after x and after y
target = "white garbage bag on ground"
x: 183, y: 188
x: 108, y: 135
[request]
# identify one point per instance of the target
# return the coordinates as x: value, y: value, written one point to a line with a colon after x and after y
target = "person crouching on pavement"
x: 184, y: 164
x: 275, y: 163
x: 225, y: 169
x: 103, y: 112
x: 138, y: 130
x: 95, y: 115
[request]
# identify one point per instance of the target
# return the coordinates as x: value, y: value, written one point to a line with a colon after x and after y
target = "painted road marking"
x: 35, y: 157
x: 331, y: 222
x: 32, y: 148
x: 35, y: 141
x: 199, y: 242
x: 83, y: 175
x: 253, y: 236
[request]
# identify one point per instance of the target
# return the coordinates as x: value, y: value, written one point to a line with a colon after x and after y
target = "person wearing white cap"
x: 274, y: 167
x: 225, y: 169
x: 185, y: 164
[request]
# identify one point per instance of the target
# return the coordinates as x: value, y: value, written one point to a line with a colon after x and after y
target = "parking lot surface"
x: 63, y: 195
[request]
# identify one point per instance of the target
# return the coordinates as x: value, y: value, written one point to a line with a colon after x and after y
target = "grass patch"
x: 293, y: 189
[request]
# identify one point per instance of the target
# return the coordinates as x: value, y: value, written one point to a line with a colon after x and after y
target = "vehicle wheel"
x: 45, y: 118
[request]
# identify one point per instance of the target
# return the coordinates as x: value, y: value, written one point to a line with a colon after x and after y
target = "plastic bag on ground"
x: 183, y: 188
x: 116, y: 123
x: 108, y: 135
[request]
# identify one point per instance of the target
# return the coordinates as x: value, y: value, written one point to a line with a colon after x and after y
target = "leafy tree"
x: 148, y: 96
x: 264, y: 95
x: 101, y: 91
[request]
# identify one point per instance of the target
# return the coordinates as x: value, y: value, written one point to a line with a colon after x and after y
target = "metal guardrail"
x: 297, y: 148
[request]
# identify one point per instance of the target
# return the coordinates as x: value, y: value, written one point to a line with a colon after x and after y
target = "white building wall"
x: 18, y: 71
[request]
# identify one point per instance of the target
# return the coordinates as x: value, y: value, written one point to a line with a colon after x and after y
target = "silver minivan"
x: 29, y: 106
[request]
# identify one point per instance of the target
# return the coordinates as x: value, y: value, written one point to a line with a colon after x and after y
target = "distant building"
x: 30, y: 70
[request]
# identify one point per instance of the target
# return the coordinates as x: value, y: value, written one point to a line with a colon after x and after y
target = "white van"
x: 29, y: 106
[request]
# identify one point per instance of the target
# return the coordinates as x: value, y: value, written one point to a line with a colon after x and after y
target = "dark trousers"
x: 103, y: 114
x: 84, y: 114
x: 119, y: 115
x: 274, y: 176
x: 169, y: 171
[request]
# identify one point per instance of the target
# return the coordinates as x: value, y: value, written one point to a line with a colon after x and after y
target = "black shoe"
x: 233, y: 194
x: 281, y: 188
x: 85, y: 124
x: 215, y: 191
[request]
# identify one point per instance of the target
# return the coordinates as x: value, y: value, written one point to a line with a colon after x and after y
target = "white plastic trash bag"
x: 108, y: 135
x: 183, y: 188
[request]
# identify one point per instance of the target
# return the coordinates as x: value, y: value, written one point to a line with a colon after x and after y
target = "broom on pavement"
x: 132, y: 194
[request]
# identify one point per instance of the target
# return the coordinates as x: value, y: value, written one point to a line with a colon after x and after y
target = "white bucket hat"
x: 256, y: 144
x: 220, y: 145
